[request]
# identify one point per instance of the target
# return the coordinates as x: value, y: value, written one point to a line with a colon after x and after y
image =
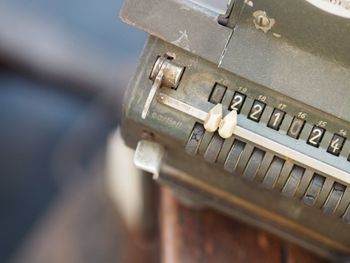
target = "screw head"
x: 262, y: 20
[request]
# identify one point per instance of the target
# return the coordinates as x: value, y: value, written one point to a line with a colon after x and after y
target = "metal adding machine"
x: 248, y: 111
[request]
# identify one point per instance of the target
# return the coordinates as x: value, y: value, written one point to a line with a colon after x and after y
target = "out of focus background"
x: 64, y: 65
x: 68, y: 189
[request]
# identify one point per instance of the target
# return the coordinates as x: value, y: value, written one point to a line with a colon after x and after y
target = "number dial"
x: 238, y: 101
x: 276, y: 119
x: 296, y: 127
x: 217, y: 94
x: 336, y: 145
x: 257, y: 110
x: 316, y: 136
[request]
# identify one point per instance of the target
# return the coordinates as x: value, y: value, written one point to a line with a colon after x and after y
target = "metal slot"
x: 325, y: 191
x: 217, y: 94
x: 314, y: 190
x: 226, y: 148
x: 293, y: 181
x: 265, y: 165
x: 304, y: 183
x: 286, y: 170
x: 253, y: 164
x: 195, y: 139
x: 244, y: 158
x: 233, y: 156
x: 205, y: 142
x: 214, y: 148
x: 344, y: 203
x: 273, y: 173
x: 334, y: 198
x: 346, y: 216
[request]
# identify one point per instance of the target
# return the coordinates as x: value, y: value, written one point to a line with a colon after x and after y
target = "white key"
x: 228, y: 125
x: 212, y: 122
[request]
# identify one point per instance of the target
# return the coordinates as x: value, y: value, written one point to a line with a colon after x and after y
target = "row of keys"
x: 252, y: 163
x: 316, y: 135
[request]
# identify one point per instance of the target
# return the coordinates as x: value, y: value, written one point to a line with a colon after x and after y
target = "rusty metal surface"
x: 181, y: 23
x: 285, y: 217
x: 303, y: 56
x: 297, y: 68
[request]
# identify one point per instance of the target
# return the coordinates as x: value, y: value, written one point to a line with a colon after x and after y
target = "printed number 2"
x: 316, y: 136
x: 256, y: 111
x: 237, y: 101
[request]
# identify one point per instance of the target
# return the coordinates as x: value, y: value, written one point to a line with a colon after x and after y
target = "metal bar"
x: 260, y: 140
x: 183, y: 107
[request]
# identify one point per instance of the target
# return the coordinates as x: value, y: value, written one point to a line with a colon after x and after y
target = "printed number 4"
x: 335, y: 145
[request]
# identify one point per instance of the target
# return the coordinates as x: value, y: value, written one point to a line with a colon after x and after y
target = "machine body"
x: 248, y: 112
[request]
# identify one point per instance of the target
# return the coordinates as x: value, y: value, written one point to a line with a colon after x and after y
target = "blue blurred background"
x: 64, y: 65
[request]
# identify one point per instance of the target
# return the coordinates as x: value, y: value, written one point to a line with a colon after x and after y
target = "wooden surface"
x: 83, y: 226
x: 191, y: 236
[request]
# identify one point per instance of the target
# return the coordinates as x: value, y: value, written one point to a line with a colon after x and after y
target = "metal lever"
x: 212, y: 120
x: 165, y: 73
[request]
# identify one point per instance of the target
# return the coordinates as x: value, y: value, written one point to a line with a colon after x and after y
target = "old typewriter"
x: 245, y: 107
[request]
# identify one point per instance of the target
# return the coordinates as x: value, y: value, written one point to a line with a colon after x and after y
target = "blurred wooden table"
x: 83, y: 226
x: 190, y: 236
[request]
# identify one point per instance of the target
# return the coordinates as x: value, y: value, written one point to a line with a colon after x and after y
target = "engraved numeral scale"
x: 242, y: 115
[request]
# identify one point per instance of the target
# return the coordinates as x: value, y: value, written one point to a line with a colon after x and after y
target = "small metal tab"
x: 165, y: 73
x: 148, y: 157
